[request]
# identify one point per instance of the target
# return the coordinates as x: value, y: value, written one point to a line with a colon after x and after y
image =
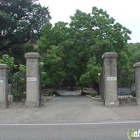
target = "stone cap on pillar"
x: 136, y: 65
x: 4, y: 66
x: 110, y: 55
x: 32, y: 55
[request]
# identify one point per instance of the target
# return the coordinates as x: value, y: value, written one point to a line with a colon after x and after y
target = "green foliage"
x: 52, y: 72
x: 18, y: 93
x: 125, y: 70
x: 72, y: 52
x: 18, y: 51
x: 6, y: 59
x: 10, y: 61
x: 126, y: 60
x: 18, y: 79
x: 21, y: 23
x: 93, y: 94
x: 19, y: 83
x: 91, y: 73
x: 134, y: 52
x: 133, y: 93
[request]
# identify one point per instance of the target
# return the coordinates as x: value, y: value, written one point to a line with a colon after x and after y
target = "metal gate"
x: 126, y: 88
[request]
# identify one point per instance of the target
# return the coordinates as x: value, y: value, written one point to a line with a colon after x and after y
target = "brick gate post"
x: 110, y: 79
x: 137, y: 81
x: 32, y: 80
x: 3, y: 86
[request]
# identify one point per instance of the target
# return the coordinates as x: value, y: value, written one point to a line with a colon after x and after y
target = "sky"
x: 126, y: 12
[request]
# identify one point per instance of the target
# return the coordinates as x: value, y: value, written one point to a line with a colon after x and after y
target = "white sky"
x: 126, y: 12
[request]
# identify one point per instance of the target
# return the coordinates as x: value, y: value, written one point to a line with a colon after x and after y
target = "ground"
x: 71, y: 107
x: 69, y: 117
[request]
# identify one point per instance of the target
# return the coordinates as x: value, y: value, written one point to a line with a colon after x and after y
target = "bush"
x: 19, y: 83
x: 94, y: 93
x: 133, y: 93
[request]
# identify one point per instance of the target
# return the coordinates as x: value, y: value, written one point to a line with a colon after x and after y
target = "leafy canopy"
x: 77, y: 47
x: 21, y: 22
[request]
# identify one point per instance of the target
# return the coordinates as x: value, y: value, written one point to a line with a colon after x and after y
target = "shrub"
x: 93, y: 94
x: 19, y: 83
x: 133, y: 93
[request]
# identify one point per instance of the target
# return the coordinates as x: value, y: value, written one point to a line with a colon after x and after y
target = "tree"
x: 6, y: 59
x: 82, y: 43
x: 17, y: 76
x: 125, y: 70
x: 51, y: 54
x: 125, y: 66
x: 52, y: 72
x: 99, y: 32
x: 134, y: 52
x: 21, y: 22
x: 90, y: 77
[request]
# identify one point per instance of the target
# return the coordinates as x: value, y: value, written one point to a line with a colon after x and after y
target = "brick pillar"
x: 3, y: 86
x: 137, y: 81
x: 32, y: 80
x: 110, y: 79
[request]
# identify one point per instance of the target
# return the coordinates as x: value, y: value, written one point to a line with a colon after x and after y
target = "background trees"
x: 21, y: 23
x: 71, y: 52
x: 20, y: 28
x: 134, y: 52
x: 80, y: 44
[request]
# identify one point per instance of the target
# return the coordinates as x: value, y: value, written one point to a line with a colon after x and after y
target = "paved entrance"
x: 69, y: 108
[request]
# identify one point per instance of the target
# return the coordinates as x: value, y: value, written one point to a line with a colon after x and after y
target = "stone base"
x: 138, y: 102
x: 32, y: 104
x: 111, y: 103
x: 3, y: 105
